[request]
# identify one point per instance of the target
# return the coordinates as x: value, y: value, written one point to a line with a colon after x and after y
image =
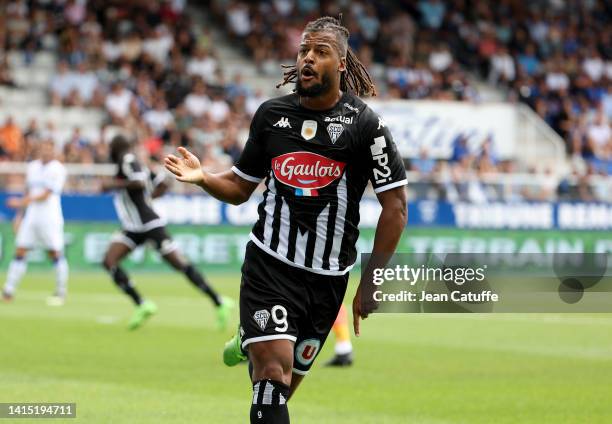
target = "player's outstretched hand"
x: 186, y: 168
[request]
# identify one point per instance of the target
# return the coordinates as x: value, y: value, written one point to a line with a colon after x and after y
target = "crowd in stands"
x: 161, y: 81
x: 157, y: 79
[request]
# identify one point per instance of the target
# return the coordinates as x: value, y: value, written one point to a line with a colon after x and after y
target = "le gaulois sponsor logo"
x: 306, y: 170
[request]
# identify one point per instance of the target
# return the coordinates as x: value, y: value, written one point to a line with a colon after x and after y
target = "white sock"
x: 61, y: 276
x: 14, y: 275
x: 343, y: 348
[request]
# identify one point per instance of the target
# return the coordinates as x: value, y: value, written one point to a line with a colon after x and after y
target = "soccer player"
x: 42, y: 224
x: 135, y: 187
x: 316, y: 149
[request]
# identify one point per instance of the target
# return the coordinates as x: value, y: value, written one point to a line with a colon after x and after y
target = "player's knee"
x: 108, y: 263
x: 20, y: 253
x: 272, y: 370
x: 53, y: 255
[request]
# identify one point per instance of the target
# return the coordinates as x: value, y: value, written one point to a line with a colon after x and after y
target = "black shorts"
x: 158, y: 237
x: 280, y: 301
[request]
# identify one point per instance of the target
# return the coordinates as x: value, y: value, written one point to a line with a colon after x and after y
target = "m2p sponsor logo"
x: 381, y: 171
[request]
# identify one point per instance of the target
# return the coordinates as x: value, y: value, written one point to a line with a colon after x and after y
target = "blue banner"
x: 204, y: 210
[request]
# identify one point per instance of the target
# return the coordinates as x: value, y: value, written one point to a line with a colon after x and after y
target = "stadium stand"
x: 77, y: 73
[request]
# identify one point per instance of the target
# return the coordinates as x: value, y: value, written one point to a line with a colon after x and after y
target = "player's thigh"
x: 326, y: 294
x: 51, y: 235
x: 26, y: 238
x: 166, y: 246
x: 269, y: 303
x: 122, y: 243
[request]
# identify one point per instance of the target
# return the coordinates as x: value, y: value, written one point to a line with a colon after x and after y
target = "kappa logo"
x: 307, y: 350
x: 334, y: 130
x: 381, y: 123
x: 262, y: 317
x: 283, y: 123
x: 309, y: 129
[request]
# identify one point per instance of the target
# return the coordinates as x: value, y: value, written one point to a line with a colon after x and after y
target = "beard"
x: 316, y: 89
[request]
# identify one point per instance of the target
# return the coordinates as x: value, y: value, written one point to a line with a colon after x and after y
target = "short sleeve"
x: 131, y: 169
x: 56, y: 178
x: 253, y: 164
x: 385, y: 166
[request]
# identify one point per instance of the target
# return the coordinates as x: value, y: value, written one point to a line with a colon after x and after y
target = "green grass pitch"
x: 409, y: 368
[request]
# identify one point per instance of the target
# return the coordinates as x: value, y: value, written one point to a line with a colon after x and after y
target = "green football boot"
x: 142, y: 313
x: 232, y: 351
x: 223, y: 312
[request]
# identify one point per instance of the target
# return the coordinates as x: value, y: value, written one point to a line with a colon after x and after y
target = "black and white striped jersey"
x: 135, y: 206
x: 316, y: 166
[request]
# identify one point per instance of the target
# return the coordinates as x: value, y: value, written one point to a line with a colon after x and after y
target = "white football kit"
x: 43, y: 222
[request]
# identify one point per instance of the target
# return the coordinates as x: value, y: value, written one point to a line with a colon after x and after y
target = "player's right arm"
x: 234, y: 186
x: 226, y: 186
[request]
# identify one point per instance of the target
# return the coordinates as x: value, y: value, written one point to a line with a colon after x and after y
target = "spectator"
x: 120, y: 103
x: 432, y: 13
x: 528, y: 61
x: 197, y: 102
x: 202, y: 65
x: 11, y: 139
x: 85, y: 87
x: 440, y: 58
x: 219, y: 109
x: 62, y: 84
x: 238, y: 19
x: 5, y: 73
x: 502, y: 67
x: 158, y: 44
x: 159, y: 119
x: 599, y: 138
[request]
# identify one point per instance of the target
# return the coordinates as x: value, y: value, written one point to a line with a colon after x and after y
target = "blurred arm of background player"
x: 225, y: 186
x: 20, y: 203
x: 160, y: 185
x: 23, y: 202
x: 391, y: 223
x: 118, y: 184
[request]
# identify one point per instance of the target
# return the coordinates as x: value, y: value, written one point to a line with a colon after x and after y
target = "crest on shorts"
x: 334, y: 131
x: 309, y: 129
x: 262, y: 317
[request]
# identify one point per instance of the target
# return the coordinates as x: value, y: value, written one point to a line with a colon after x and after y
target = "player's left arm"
x: 160, y: 184
x: 118, y: 184
x: 391, y: 224
x: 388, y: 178
x: 23, y: 202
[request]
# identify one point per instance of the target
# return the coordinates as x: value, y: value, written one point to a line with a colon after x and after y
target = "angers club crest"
x: 334, y: 131
x: 262, y: 317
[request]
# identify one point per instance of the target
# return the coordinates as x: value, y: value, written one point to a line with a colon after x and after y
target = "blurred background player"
x: 42, y: 224
x: 135, y: 187
x: 343, y: 347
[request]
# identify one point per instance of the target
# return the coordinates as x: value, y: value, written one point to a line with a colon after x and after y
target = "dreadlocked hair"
x: 355, y: 79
